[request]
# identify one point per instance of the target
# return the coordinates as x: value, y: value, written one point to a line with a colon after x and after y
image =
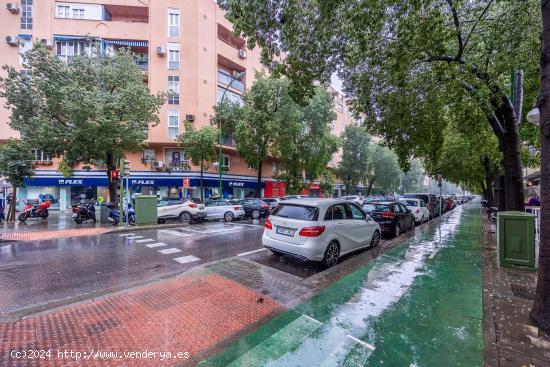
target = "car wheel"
x: 228, y: 216
x: 332, y: 253
x: 412, y: 224
x: 161, y: 221
x: 256, y: 214
x: 185, y: 217
x: 396, y: 230
x: 375, y: 239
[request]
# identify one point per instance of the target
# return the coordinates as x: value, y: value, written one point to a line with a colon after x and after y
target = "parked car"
x: 394, y: 218
x: 355, y: 198
x: 431, y: 200
x: 186, y: 211
x: 273, y: 202
x: 223, y: 209
x: 254, y: 208
x: 296, y: 197
x: 418, y: 209
x: 319, y: 229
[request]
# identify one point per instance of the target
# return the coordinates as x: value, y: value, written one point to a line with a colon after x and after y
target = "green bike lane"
x: 420, y: 304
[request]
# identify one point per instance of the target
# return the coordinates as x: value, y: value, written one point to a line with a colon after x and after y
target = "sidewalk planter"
x: 146, y: 209
x: 516, y: 239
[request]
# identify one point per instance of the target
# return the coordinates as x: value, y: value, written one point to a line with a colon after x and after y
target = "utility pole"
x: 440, y: 184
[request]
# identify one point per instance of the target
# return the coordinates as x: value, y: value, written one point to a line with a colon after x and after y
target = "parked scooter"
x: 30, y: 211
x: 82, y: 212
x: 492, y: 214
x: 114, y: 214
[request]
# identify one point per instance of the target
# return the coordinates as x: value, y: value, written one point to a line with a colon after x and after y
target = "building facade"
x: 185, y: 47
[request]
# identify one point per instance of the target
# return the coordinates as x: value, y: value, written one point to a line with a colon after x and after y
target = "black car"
x: 393, y: 217
x: 254, y: 208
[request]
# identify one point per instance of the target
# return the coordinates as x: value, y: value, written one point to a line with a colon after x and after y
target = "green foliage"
x: 326, y: 183
x: 16, y: 161
x: 354, y: 165
x: 383, y: 168
x: 92, y: 109
x: 200, y: 144
x: 413, y: 180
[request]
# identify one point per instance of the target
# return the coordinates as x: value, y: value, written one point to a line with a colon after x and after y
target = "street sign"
x: 186, y: 183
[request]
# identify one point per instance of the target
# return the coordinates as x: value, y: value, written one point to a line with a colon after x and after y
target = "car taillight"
x: 312, y: 231
x: 388, y: 215
x: 192, y: 205
x: 267, y: 224
x: 264, y: 206
x: 237, y: 208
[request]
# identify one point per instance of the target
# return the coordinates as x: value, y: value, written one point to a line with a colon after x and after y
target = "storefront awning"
x: 73, y: 38
x: 127, y: 43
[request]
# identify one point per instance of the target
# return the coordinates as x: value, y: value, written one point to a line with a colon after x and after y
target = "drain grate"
x: 523, y: 292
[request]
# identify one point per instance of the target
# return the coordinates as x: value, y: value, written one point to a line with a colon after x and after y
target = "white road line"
x: 186, y: 259
x: 134, y: 237
x: 432, y: 255
x: 312, y: 319
x: 251, y: 252
x: 175, y: 233
x: 365, y: 344
x: 245, y: 225
x: 126, y: 234
x: 145, y: 240
x: 171, y: 250
x: 158, y: 244
x: 211, y: 231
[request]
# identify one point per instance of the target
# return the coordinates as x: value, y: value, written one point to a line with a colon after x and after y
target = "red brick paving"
x: 187, y: 314
x: 49, y: 234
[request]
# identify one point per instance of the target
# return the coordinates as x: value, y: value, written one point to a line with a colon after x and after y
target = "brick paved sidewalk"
x: 188, y: 314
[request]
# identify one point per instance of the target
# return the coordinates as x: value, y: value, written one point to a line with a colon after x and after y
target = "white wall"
x: 91, y: 11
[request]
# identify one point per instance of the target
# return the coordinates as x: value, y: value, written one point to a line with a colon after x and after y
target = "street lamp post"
x: 234, y: 77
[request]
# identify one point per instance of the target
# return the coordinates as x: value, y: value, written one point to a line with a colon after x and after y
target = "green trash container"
x: 516, y: 239
x: 146, y: 209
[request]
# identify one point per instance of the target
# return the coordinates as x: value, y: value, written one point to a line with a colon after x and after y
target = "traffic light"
x: 114, y: 175
x: 124, y: 167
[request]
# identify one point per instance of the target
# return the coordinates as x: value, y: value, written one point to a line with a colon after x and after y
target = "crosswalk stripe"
x: 126, y: 234
x: 145, y: 240
x: 186, y: 259
x: 175, y: 233
x: 134, y: 237
x: 171, y: 250
x: 251, y: 252
x: 211, y: 231
x: 158, y: 244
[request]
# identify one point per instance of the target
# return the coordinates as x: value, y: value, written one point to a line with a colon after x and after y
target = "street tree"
x: 90, y: 110
x: 16, y: 164
x: 354, y: 165
x: 200, y: 146
x: 540, y: 314
x: 382, y: 169
x: 327, y: 182
x: 405, y: 63
x: 413, y: 180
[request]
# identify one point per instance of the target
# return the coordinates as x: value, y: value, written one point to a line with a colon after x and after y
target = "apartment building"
x: 186, y: 47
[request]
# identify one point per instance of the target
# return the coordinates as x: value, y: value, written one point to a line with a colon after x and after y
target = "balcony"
x: 228, y: 141
x: 225, y: 78
x: 177, y: 167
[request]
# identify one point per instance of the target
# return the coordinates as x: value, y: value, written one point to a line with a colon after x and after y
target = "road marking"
x: 175, y: 233
x: 211, y: 231
x: 171, y: 250
x: 365, y: 344
x: 126, y: 234
x: 186, y: 259
x: 134, y: 237
x: 251, y: 252
x: 245, y: 225
x: 145, y: 240
x: 158, y: 244
x: 312, y: 319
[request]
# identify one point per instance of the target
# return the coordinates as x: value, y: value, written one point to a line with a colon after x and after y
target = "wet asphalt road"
x: 36, y: 273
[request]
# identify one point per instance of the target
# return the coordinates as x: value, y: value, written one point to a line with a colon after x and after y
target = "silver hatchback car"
x: 223, y: 209
x: 319, y: 229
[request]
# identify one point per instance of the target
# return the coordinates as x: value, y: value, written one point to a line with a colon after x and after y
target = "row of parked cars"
x: 325, y: 229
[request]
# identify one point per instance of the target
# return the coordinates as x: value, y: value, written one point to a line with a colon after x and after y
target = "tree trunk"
x: 113, y: 185
x: 513, y: 173
x: 540, y: 314
x: 259, y: 188
x: 489, y: 177
x: 13, y: 206
x: 370, y: 187
x: 502, y: 193
x: 202, y: 185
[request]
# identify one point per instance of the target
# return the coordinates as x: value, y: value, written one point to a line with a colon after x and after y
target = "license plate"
x: 286, y: 231
x: 75, y: 215
x: 201, y: 207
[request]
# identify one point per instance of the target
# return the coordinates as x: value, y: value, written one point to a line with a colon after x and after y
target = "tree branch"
x: 476, y: 22
x: 458, y: 31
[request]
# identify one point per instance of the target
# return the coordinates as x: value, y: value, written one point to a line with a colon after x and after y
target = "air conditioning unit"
x: 158, y: 164
x: 242, y: 54
x: 190, y: 118
x: 47, y: 42
x: 12, y: 40
x: 161, y: 51
x: 12, y: 7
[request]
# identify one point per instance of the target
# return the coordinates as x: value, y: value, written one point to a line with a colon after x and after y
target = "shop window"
x: 173, y: 89
x: 173, y: 22
x: 173, y: 124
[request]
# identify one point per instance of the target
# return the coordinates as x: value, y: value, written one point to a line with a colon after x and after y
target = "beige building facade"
x: 186, y: 47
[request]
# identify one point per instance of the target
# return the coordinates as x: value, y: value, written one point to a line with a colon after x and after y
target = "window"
x: 173, y: 22
x: 26, y: 14
x: 78, y: 13
x: 173, y: 56
x: 63, y: 11
x: 356, y: 213
x: 338, y: 106
x: 148, y: 155
x: 229, y: 96
x: 252, y: 166
x: 67, y: 50
x: 328, y: 214
x: 173, y: 89
x: 226, y: 162
x: 41, y: 156
x: 173, y: 124
x: 225, y: 78
x: 297, y: 212
x: 274, y: 166
x: 24, y: 46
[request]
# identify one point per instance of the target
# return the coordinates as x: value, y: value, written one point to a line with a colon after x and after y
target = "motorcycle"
x: 492, y: 214
x: 30, y: 211
x: 83, y: 212
x: 114, y: 214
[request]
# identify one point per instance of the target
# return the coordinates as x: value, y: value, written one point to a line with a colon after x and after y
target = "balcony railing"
x: 181, y: 166
x: 228, y: 141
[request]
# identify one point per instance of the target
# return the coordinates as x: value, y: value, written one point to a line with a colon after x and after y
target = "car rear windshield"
x: 409, y: 202
x: 298, y: 212
x: 376, y: 208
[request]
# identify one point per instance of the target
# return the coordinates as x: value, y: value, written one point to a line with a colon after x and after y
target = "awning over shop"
x: 73, y: 38
x: 127, y: 43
